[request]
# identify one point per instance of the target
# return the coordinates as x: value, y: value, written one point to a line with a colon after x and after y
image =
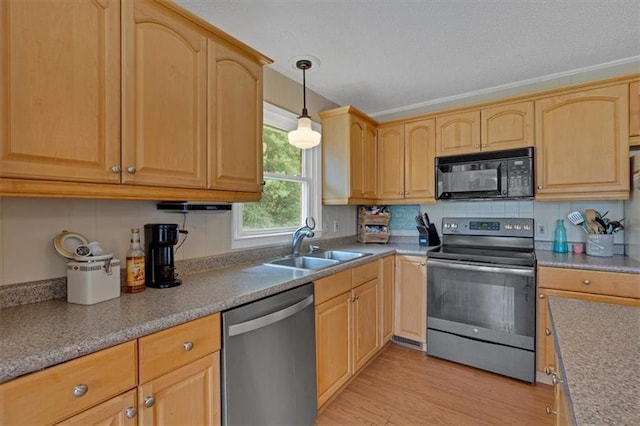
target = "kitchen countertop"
x: 616, y: 263
x: 39, y: 335
x: 599, y: 352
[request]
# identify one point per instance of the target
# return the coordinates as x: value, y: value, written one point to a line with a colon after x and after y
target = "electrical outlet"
x: 542, y: 230
x: 335, y: 226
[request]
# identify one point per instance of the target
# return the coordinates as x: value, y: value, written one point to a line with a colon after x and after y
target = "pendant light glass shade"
x: 304, y: 136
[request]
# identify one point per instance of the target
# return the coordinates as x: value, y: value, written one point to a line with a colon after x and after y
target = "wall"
x: 28, y: 226
x: 545, y: 215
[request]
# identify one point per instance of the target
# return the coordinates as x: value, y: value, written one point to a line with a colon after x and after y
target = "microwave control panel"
x: 520, y: 176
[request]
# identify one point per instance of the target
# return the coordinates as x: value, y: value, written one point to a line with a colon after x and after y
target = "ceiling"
x: 388, y: 55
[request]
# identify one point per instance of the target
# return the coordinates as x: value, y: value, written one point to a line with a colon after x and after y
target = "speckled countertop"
x: 38, y: 335
x: 599, y: 352
x: 616, y: 263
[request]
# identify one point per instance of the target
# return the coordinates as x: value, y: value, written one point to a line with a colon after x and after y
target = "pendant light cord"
x: 305, y: 113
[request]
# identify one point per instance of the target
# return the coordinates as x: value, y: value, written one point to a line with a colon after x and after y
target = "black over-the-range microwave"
x: 507, y: 175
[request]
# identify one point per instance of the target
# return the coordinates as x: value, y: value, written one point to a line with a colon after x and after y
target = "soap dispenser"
x: 560, y: 238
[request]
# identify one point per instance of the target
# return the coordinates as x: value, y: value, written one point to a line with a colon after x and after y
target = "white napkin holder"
x: 90, y: 282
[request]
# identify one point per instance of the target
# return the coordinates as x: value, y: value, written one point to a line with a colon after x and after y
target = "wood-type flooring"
x: 405, y: 387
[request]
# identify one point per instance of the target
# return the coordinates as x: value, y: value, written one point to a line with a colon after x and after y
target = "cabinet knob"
x: 541, y: 296
x: 547, y: 332
x: 406, y: 193
x: 586, y: 282
x: 548, y: 371
x: 187, y: 346
x: 476, y: 146
x: 539, y: 186
x: 549, y: 411
x: 80, y: 390
x: 130, y: 412
x: 555, y: 379
x: 149, y: 401
x: 400, y: 193
x: 131, y: 169
x: 263, y: 183
x: 484, y: 145
x: 116, y: 169
x: 423, y: 264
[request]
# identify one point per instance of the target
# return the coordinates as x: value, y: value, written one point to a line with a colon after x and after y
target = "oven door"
x: 486, y: 302
x: 482, y: 179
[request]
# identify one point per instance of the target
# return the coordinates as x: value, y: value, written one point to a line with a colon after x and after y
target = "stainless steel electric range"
x: 481, y: 288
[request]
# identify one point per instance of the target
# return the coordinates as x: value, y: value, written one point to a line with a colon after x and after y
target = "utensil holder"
x: 600, y: 245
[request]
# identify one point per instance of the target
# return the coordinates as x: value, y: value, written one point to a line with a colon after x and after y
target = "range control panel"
x: 504, y: 227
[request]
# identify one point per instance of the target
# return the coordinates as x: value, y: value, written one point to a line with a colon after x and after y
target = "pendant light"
x: 304, y: 137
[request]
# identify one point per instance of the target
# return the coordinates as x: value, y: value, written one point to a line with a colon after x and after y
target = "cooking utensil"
x: 575, y: 217
x: 590, y: 219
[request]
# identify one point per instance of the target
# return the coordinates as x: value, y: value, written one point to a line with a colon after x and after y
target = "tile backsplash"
x: 545, y: 215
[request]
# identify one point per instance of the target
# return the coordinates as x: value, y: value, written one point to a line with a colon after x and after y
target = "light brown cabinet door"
x: 365, y: 323
x: 333, y: 345
x: 60, y: 85
x: 235, y: 120
x: 387, y: 287
x: 634, y: 113
x: 189, y: 395
x: 119, y: 411
x: 391, y: 162
x: 419, y: 155
x: 544, y: 338
x: 356, y: 151
x: 582, y: 145
x: 507, y: 126
x: 164, y: 76
x: 458, y: 133
x: 411, y: 298
x: 370, y: 166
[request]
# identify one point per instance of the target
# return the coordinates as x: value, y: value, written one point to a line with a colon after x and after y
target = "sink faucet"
x: 300, y: 233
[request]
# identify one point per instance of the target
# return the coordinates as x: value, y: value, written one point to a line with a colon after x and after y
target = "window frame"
x: 274, y: 116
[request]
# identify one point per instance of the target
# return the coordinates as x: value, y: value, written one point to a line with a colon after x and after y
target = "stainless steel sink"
x: 339, y: 255
x: 303, y: 262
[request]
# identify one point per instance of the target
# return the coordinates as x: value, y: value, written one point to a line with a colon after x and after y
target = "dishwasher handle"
x: 254, y: 324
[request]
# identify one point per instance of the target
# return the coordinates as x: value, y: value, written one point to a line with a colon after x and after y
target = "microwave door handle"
x: 526, y: 272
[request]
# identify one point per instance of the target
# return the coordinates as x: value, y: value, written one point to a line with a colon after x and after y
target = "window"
x: 292, y: 187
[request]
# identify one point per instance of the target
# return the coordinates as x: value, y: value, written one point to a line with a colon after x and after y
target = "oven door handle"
x: 527, y: 272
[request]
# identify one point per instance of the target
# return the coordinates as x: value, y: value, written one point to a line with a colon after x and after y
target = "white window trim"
x: 285, y: 120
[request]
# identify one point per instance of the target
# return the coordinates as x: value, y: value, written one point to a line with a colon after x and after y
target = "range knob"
x: 454, y: 225
x: 508, y: 226
x: 447, y: 225
x: 517, y: 226
x: 527, y: 227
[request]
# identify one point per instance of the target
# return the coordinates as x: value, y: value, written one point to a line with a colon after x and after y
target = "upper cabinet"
x: 60, y: 90
x: 503, y: 126
x: 164, y: 120
x: 507, y: 126
x: 458, y: 133
x: 349, y: 157
x: 235, y: 114
x: 135, y: 99
x: 582, y: 148
x: 405, y: 155
x: 634, y: 113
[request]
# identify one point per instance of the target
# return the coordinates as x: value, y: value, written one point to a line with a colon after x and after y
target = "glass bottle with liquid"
x: 135, y: 264
x: 560, y: 238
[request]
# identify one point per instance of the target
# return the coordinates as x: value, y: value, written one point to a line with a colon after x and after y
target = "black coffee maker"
x: 159, y: 239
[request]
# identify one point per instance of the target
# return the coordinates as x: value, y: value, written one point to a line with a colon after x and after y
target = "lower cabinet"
x: 347, y: 326
x: 411, y: 298
x: 168, y: 377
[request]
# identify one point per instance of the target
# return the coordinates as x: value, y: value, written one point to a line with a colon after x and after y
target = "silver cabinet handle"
x: 476, y: 146
x: 80, y: 390
x: 549, y: 411
x: 586, y: 282
x: 130, y: 412
x: 187, y: 346
x: 400, y: 193
x: 149, y: 401
x: 539, y: 186
x: 554, y: 379
x: 548, y: 371
x: 131, y: 169
x: 547, y: 332
x: 116, y: 169
x: 423, y: 264
x: 541, y: 296
x: 484, y: 146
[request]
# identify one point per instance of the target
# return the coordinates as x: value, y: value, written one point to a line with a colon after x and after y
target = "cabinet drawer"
x: 331, y: 286
x: 48, y: 396
x: 364, y: 273
x: 586, y: 281
x: 167, y: 350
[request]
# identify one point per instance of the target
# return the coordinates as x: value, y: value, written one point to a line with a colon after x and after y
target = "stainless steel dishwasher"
x: 269, y: 361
